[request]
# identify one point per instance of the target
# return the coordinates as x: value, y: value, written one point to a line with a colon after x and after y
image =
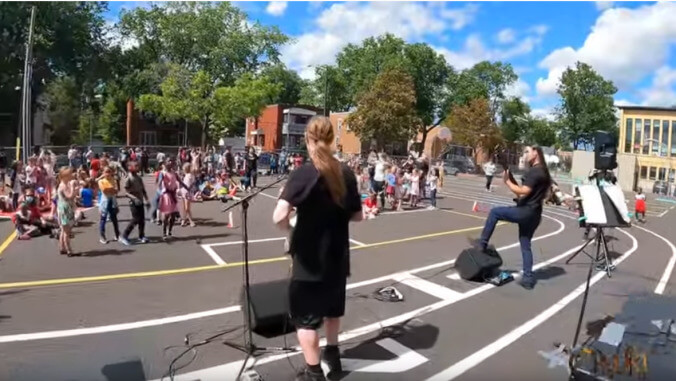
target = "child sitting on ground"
x: 640, y: 205
x: 370, y: 207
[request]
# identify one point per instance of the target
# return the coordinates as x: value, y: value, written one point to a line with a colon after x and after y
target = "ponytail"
x: 330, y: 169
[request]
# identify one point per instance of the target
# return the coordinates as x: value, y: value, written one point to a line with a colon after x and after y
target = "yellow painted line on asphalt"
x: 7, y: 241
x: 187, y: 270
x: 463, y: 214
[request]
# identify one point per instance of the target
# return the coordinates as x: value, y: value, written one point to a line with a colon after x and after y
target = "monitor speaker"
x: 269, y: 308
x: 605, y: 151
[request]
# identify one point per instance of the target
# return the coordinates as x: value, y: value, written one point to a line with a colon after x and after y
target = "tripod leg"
x: 580, y: 250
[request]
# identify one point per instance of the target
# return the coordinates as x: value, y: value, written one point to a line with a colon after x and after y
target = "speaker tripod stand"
x: 601, y: 258
x: 249, y: 347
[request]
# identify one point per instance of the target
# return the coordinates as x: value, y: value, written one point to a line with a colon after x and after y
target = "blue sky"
x: 631, y: 43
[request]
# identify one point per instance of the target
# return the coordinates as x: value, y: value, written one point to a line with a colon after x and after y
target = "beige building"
x: 649, y: 135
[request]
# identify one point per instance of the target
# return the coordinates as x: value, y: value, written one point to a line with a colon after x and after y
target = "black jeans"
x: 138, y: 217
x: 433, y: 197
x: 489, y: 180
x: 379, y: 187
x: 527, y: 218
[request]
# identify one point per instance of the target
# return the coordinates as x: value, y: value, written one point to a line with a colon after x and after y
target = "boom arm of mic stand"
x: 252, y: 195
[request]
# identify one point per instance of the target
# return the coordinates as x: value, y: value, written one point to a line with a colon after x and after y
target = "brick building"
x: 344, y: 136
x: 279, y: 126
x: 146, y: 131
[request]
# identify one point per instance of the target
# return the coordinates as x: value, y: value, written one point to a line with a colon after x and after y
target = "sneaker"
x: 527, y: 283
x: 307, y: 375
x: 431, y: 207
x: 103, y: 240
x: 144, y: 240
x: 164, y: 237
x: 124, y: 241
x: 331, y: 355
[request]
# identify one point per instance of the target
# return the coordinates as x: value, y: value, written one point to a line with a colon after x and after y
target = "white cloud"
x: 276, y: 8
x: 544, y: 112
x: 603, y: 5
x: 624, y: 102
x: 624, y: 45
x: 506, y: 36
x: 475, y: 51
x: 352, y: 22
x: 519, y: 89
x: 113, y: 35
x: 662, y: 92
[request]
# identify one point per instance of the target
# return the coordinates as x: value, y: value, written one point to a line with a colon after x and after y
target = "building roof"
x: 647, y: 108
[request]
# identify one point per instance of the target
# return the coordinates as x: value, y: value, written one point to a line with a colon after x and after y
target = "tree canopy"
x: 386, y: 112
x: 473, y: 126
x: 586, y: 104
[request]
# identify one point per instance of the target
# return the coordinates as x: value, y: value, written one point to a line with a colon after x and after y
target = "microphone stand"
x: 249, y: 347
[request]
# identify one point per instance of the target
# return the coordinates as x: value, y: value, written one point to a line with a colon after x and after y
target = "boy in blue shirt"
x: 86, y: 196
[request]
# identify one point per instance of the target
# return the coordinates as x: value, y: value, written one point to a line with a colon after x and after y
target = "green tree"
x: 68, y: 41
x: 290, y: 81
x: 494, y: 77
x: 212, y: 43
x: 472, y: 125
x: 542, y: 132
x: 586, y: 104
x: 514, y: 119
x: 192, y: 97
x: 63, y: 108
x: 386, y: 113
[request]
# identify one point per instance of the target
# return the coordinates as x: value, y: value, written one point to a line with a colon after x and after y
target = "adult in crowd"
x: 528, y: 210
x: 136, y: 192
x: 489, y: 171
x: 251, y: 166
x: 379, y: 169
x: 325, y: 197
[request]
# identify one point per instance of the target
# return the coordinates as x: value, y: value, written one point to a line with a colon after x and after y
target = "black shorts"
x: 311, y: 302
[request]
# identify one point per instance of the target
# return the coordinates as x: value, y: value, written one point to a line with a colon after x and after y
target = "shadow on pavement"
x: 124, y: 371
x: 98, y: 253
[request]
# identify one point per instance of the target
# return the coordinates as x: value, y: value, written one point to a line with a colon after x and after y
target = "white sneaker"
x: 431, y: 207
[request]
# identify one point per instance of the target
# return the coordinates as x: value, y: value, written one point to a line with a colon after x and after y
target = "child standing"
x: 108, y: 204
x: 391, y: 179
x: 640, y: 205
x: 415, y: 188
x: 432, y: 182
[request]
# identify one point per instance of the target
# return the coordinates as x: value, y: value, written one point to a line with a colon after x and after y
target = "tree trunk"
x: 421, y: 149
x: 205, y: 126
x: 130, y: 118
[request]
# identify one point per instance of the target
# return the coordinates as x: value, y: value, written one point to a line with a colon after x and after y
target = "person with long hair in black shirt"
x: 324, y: 194
x: 528, y: 210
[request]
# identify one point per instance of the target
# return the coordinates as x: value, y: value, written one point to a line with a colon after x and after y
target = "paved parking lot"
x: 122, y: 313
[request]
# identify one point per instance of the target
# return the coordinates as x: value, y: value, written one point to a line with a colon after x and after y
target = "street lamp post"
x: 326, y: 87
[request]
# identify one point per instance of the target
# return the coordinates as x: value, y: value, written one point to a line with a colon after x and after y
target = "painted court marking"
x: 168, y: 320
x: 357, y: 242
x: 481, y: 355
x: 147, y: 274
x: 664, y: 280
x: 431, y: 288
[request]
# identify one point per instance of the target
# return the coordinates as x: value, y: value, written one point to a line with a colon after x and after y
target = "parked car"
x: 660, y: 187
x: 449, y: 169
x: 461, y: 165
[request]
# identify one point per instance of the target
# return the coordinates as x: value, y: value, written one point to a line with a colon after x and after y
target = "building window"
x: 655, y: 144
x: 673, y: 138
x: 653, y: 173
x: 286, y: 118
x: 664, y: 142
x: 629, y: 129
x: 646, y: 137
x: 671, y: 175
x: 148, y: 138
x: 637, y: 136
x: 301, y: 119
x: 340, y: 125
x: 662, y: 174
x: 644, y: 172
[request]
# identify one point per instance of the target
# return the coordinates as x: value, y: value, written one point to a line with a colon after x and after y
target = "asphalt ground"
x: 122, y: 313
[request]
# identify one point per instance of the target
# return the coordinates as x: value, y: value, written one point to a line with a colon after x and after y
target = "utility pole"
x: 326, y: 91
x: 27, y: 109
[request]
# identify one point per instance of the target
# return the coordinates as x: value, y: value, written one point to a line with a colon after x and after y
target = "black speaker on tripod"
x: 605, y: 151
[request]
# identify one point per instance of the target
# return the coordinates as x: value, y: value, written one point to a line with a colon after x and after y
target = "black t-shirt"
x: 320, y: 242
x: 537, y: 180
x: 251, y: 161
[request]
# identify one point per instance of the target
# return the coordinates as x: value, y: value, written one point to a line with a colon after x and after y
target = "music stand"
x: 601, y: 257
x: 249, y: 347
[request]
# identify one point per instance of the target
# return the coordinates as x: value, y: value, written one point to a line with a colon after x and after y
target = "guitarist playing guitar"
x: 527, y: 213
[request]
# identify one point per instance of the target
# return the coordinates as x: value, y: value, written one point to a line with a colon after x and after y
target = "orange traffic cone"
x: 475, y: 207
x: 230, y: 224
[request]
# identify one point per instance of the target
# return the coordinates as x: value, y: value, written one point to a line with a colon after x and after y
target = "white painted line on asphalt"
x: 198, y: 315
x: 115, y: 327
x: 662, y: 284
x: 406, y: 359
x: 357, y: 242
x: 268, y: 196
x: 229, y: 243
x: 504, y: 201
x: 212, y: 253
x: 663, y: 213
x: 436, y: 290
x: 405, y: 211
x: 454, y: 276
x: 481, y: 355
